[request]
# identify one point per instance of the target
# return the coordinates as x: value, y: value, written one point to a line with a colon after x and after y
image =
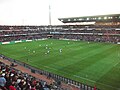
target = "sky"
x: 36, y: 12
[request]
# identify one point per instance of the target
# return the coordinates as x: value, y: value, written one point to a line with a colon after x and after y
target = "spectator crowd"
x: 87, y: 33
x: 13, y: 79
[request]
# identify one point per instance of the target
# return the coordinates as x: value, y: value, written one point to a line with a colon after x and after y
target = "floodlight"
x: 80, y: 18
x: 74, y: 19
x: 87, y: 18
x: 68, y: 19
x: 105, y: 17
x: 61, y: 20
x: 109, y: 17
x: 99, y: 18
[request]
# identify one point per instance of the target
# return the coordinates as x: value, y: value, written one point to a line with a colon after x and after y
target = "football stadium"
x: 81, y: 54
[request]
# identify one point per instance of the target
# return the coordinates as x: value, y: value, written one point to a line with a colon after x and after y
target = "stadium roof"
x: 97, y: 18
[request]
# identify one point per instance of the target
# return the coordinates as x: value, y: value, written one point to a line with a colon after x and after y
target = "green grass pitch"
x: 90, y: 63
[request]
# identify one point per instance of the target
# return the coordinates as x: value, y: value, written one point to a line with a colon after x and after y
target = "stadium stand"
x: 13, y: 79
x: 105, y: 30
x: 90, y: 34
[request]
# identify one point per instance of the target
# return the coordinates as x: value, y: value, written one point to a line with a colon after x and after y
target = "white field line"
x: 116, y: 64
x: 95, y: 81
x: 84, y: 78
